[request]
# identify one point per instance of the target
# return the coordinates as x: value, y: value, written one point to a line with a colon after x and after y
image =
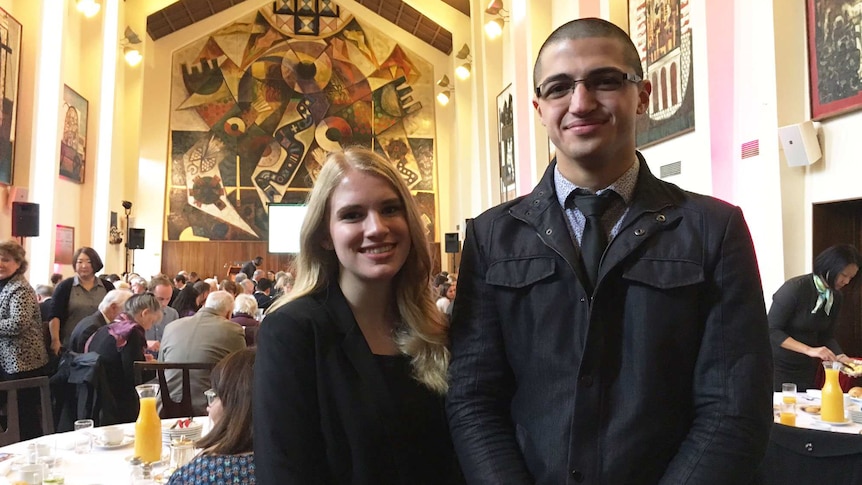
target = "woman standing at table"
x: 77, y: 297
x: 804, y: 314
x: 227, y: 450
x: 121, y: 343
x: 351, y: 365
x: 22, y: 348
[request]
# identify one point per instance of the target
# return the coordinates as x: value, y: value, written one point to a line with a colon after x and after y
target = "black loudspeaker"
x: 136, y: 238
x: 453, y: 245
x: 25, y: 219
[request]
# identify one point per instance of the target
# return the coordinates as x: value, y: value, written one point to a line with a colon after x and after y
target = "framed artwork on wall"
x: 73, y: 140
x: 10, y: 62
x: 506, y: 137
x: 834, y: 57
x: 661, y: 31
x: 64, y: 245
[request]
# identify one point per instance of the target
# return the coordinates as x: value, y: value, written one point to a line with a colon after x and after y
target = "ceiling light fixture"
x: 444, y: 96
x: 494, y: 26
x: 463, y: 71
x: 131, y: 50
x: 88, y: 7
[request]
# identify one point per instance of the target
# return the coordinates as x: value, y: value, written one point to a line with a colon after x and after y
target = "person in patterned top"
x: 22, y: 349
x: 226, y: 455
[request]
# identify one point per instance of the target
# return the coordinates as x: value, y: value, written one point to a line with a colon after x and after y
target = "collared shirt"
x: 82, y: 303
x: 613, y: 217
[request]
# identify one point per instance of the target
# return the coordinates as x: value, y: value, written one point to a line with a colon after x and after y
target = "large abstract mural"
x: 257, y: 103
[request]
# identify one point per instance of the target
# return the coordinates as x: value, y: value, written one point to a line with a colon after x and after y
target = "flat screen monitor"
x: 285, y: 222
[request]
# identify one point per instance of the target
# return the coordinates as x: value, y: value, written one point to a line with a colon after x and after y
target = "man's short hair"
x: 245, y: 304
x: 258, y: 260
x: 44, y: 290
x: 258, y: 274
x: 118, y: 296
x: 264, y: 284
x: 247, y: 286
x: 159, y: 281
x: 588, y: 28
x: 180, y: 278
x: 220, y: 301
x: 240, y: 277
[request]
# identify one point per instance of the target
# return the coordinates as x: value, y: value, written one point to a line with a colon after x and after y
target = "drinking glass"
x: 83, y: 436
x: 788, y: 393
x: 787, y: 414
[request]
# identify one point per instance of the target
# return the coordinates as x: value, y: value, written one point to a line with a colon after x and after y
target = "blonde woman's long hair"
x: 424, y: 329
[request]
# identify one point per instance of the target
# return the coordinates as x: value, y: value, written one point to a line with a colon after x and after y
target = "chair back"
x: 171, y: 408
x: 11, y: 388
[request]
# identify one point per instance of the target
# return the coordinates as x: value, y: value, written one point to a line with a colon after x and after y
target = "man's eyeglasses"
x: 605, y: 80
x: 211, y: 396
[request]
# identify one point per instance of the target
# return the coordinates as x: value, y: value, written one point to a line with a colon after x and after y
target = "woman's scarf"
x: 824, y: 295
x: 120, y: 329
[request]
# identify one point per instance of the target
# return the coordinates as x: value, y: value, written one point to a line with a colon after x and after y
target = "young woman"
x: 351, y: 364
x: 226, y: 455
x: 804, y: 314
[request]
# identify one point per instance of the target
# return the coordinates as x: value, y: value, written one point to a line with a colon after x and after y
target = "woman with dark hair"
x: 186, y: 302
x: 22, y: 350
x: 227, y: 450
x: 803, y: 316
x: 77, y: 297
x: 120, y: 344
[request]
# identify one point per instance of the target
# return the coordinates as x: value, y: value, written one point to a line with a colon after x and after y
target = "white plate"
x: 105, y: 446
x: 846, y: 422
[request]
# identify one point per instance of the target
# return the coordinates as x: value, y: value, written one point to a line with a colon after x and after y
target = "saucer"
x: 832, y: 423
x: 111, y: 446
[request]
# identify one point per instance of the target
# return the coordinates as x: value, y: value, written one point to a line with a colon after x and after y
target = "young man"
x: 650, y: 365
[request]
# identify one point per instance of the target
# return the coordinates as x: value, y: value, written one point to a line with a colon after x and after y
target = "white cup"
x: 112, y: 435
x: 30, y: 474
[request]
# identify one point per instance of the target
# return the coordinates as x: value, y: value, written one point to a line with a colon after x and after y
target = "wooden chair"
x: 11, y: 388
x: 170, y: 408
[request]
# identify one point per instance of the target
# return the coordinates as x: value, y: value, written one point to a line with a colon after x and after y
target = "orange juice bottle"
x: 148, y: 427
x: 832, y: 397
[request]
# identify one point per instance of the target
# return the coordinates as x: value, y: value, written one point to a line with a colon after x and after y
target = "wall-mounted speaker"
x: 452, y: 244
x: 800, y: 143
x: 25, y: 219
x: 136, y: 238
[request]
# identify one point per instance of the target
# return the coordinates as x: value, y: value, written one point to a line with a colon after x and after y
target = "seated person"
x: 121, y: 343
x: 111, y: 306
x: 244, y: 310
x: 262, y: 293
x: 227, y: 450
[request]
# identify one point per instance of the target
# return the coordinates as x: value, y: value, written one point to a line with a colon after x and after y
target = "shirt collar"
x: 624, y: 186
x: 77, y: 281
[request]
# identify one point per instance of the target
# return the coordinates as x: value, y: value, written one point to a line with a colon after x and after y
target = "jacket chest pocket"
x: 520, y: 272
x: 664, y: 274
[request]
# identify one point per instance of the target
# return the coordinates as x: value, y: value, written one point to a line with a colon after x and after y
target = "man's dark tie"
x: 594, y: 240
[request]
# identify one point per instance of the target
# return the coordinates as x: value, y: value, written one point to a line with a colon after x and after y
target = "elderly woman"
x: 227, y: 448
x: 77, y: 297
x: 121, y: 343
x: 22, y: 349
x: 244, y: 310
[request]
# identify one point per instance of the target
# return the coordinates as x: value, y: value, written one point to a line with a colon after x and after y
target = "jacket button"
x: 536, y: 202
x: 549, y: 231
x: 577, y: 476
x: 586, y: 381
x: 660, y: 218
x: 809, y: 447
x: 639, y: 232
x: 541, y: 193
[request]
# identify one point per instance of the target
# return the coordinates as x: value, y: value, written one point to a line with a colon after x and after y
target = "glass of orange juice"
x: 788, y: 393
x: 787, y: 414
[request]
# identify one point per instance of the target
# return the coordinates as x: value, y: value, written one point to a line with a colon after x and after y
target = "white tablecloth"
x: 811, y: 421
x: 99, y: 467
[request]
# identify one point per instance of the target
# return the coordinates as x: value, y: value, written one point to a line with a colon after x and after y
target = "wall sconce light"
x: 463, y: 71
x: 443, y: 96
x: 88, y: 7
x: 494, y: 26
x: 131, y: 51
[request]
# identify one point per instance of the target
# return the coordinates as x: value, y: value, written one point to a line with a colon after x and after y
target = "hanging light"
x: 88, y: 7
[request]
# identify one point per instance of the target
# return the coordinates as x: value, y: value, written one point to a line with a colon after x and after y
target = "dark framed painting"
x: 73, y: 140
x: 661, y: 31
x: 10, y: 64
x: 834, y: 54
x: 506, y: 137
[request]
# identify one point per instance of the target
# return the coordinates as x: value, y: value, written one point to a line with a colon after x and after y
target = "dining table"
x: 102, y: 465
x: 807, y: 412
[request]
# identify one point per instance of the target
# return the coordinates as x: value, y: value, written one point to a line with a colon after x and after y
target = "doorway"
x: 841, y: 223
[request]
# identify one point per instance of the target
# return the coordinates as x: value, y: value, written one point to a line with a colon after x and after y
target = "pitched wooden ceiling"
x: 184, y: 13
